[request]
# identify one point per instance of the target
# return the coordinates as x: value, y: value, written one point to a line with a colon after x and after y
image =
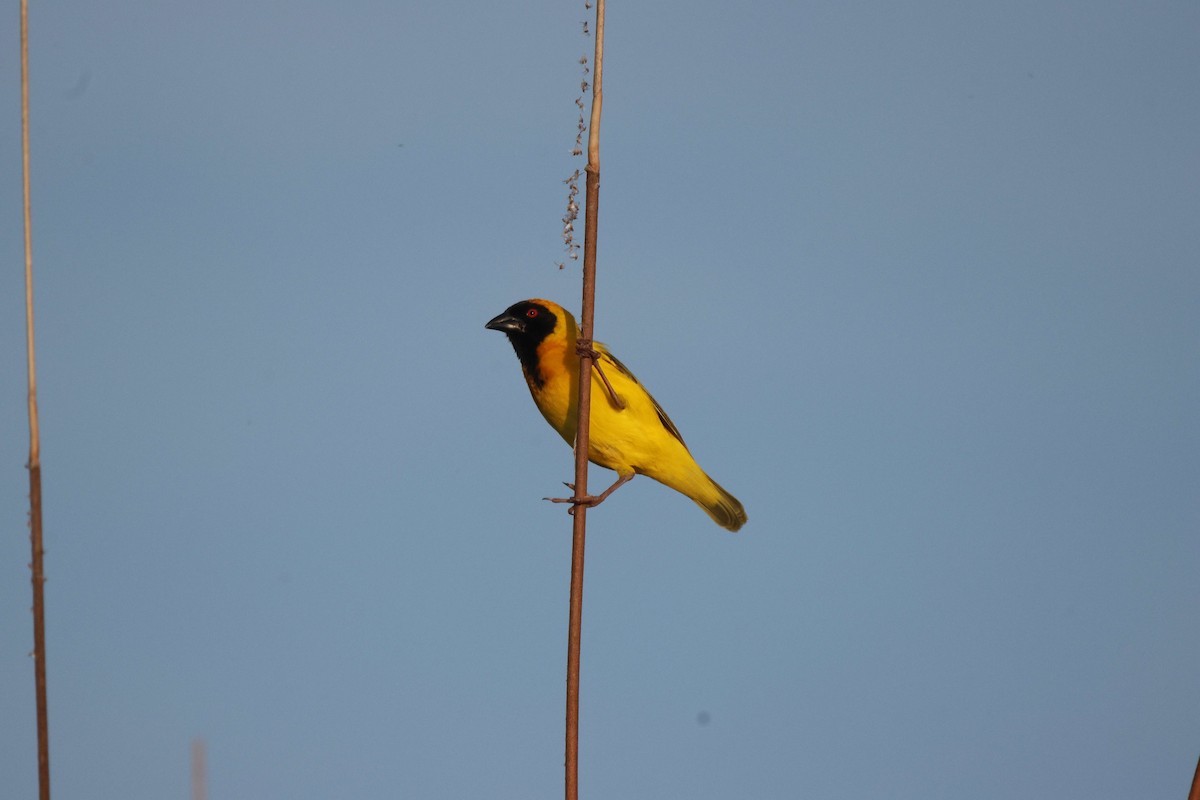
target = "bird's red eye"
x: 531, y: 313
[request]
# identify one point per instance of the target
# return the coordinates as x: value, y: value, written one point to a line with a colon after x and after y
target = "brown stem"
x: 37, y: 576
x: 587, y: 318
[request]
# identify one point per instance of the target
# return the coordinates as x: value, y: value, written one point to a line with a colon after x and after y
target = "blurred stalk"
x: 35, y: 464
x: 199, y: 771
x: 587, y: 319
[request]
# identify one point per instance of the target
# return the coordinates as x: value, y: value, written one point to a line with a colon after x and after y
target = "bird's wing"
x: 624, y: 370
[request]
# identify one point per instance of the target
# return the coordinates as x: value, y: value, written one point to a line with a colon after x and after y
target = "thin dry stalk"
x: 199, y: 771
x: 587, y: 319
x: 35, y: 465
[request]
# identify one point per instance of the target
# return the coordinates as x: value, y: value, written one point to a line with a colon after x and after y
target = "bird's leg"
x: 584, y: 348
x: 590, y: 500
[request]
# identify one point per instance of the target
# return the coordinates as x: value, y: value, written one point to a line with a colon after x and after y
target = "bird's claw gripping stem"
x: 589, y: 500
x: 584, y: 348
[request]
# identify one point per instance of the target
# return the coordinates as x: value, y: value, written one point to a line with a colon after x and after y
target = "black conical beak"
x: 506, y: 323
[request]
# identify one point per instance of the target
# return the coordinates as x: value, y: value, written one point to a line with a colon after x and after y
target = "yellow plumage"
x: 636, y: 439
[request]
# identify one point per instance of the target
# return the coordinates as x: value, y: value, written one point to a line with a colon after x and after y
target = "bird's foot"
x: 588, y: 500
x: 585, y: 500
x: 583, y: 347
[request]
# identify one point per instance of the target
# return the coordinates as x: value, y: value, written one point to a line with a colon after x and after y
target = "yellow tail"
x: 723, y: 507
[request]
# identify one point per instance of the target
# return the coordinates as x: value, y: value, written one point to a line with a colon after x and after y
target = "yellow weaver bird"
x: 630, y: 433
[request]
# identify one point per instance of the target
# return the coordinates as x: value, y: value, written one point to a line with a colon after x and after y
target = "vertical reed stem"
x: 587, y: 318
x: 35, y: 465
x: 199, y: 771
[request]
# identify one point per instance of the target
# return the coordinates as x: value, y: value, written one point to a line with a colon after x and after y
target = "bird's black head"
x: 526, y: 324
x: 528, y: 319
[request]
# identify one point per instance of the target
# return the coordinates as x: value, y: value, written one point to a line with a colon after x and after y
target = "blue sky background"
x: 918, y: 283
